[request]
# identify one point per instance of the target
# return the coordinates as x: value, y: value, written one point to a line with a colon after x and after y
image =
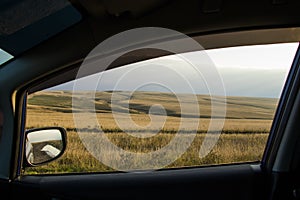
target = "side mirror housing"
x: 43, y: 145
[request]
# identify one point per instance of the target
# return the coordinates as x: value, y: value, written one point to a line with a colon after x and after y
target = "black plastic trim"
x: 282, y: 113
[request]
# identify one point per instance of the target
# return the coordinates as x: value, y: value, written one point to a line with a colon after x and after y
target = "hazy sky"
x: 258, y: 70
x: 4, y: 56
x: 257, y: 56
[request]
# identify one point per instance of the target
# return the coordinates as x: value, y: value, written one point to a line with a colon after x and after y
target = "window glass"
x: 4, y: 56
x: 135, y: 116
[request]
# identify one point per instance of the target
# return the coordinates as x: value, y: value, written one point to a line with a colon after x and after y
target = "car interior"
x: 48, y: 42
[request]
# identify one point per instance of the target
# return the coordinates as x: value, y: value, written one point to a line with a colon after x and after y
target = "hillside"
x: 140, y: 103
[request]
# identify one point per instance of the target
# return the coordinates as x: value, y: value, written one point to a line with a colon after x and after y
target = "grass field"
x: 243, y: 137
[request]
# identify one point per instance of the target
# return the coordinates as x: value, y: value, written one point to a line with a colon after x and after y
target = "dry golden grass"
x: 39, y: 117
x: 243, y: 138
x: 230, y: 148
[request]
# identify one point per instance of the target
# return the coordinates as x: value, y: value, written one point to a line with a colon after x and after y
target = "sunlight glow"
x: 256, y: 56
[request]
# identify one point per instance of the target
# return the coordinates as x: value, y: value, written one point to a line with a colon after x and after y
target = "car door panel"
x: 244, y: 181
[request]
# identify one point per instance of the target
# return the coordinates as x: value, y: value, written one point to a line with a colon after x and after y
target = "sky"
x: 254, y: 71
x: 4, y: 56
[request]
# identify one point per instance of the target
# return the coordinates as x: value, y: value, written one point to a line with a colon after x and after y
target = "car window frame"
x: 265, y: 162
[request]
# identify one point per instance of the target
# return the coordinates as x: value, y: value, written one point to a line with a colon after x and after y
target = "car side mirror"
x: 44, y: 145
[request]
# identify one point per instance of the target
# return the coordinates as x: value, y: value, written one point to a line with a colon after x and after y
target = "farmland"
x: 243, y: 137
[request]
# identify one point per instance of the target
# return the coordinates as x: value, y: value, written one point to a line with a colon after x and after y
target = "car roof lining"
x: 17, y: 35
x: 106, y: 18
x: 17, y: 15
